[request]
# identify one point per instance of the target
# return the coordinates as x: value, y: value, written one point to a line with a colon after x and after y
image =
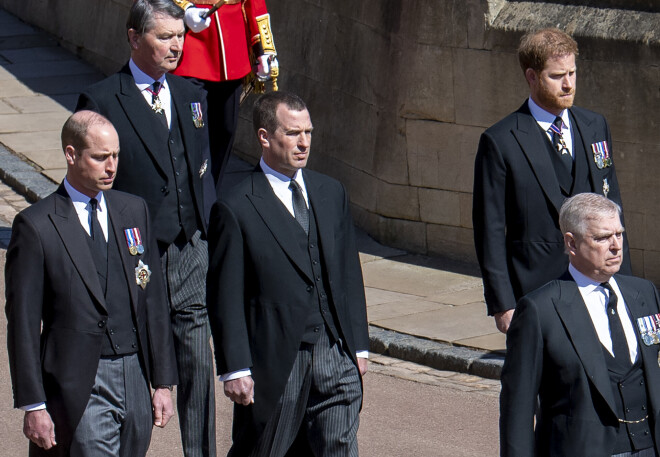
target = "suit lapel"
x: 278, y: 220
x: 577, y: 321
x: 589, y: 135
x: 66, y: 222
x: 532, y: 144
x: 638, y: 307
x: 141, y: 117
x: 183, y: 109
x: 116, y: 209
x: 324, y: 220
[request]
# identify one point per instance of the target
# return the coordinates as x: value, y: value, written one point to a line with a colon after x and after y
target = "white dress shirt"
x: 545, y: 120
x: 596, y: 298
x: 143, y: 82
x: 83, y: 210
x: 280, y: 185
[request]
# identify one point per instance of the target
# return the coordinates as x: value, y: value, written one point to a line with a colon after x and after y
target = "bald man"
x: 83, y: 360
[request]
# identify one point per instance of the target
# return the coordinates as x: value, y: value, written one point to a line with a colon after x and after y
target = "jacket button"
x: 134, y: 345
x: 309, y: 289
x: 112, y: 332
x: 101, y: 324
x: 116, y: 346
x: 134, y: 331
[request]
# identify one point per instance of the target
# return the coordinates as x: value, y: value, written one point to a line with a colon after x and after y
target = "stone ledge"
x: 25, y: 179
x: 440, y: 356
x: 627, y: 25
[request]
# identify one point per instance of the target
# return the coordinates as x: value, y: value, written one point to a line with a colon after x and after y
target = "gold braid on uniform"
x: 183, y: 4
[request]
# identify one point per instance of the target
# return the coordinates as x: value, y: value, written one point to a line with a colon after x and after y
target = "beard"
x: 554, y: 101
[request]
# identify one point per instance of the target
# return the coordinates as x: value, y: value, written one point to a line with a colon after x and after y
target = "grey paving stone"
x: 59, y: 85
x: 26, y: 41
x: 36, y: 54
x: 39, y: 69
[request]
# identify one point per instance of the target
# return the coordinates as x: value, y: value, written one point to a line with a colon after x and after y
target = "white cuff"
x: 34, y: 407
x: 362, y: 354
x: 235, y: 375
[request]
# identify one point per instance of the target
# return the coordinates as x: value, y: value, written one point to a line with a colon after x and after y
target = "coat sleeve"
x: 24, y: 283
x: 163, y: 369
x: 489, y: 221
x: 521, y: 381
x: 225, y: 295
x: 355, y: 284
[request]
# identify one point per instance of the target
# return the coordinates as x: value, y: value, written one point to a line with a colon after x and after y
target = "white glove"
x: 265, y: 64
x: 194, y: 20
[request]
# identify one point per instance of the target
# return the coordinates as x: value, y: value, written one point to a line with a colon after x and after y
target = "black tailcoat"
x: 261, y: 287
x: 51, y: 280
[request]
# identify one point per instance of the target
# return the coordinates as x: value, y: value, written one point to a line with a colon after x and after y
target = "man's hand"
x: 240, y: 390
x: 362, y: 365
x: 38, y: 427
x: 162, y: 406
x: 194, y: 20
x: 503, y: 320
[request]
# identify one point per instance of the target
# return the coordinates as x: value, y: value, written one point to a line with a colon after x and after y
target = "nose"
x: 567, y: 82
x: 177, y: 43
x: 111, y: 165
x: 616, y: 243
x: 304, y: 140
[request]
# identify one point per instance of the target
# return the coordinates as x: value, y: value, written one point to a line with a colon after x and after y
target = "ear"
x: 262, y: 135
x: 531, y: 76
x: 570, y: 242
x: 133, y: 39
x: 70, y: 154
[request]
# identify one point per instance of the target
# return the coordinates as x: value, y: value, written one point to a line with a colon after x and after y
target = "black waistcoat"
x: 577, y: 181
x: 322, y: 313
x: 177, y: 214
x: 120, y: 327
x: 629, y: 389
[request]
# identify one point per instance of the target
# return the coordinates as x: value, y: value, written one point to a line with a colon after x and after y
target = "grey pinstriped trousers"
x: 322, y: 399
x: 185, y: 268
x: 117, y: 420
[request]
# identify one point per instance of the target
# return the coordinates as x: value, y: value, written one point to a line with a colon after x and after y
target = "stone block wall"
x: 400, y: 91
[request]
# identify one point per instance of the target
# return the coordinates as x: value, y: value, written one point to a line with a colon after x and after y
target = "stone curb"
x: 441, y: 356
x: 23, y: 177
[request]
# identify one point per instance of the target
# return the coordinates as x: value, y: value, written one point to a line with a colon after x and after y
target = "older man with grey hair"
x: 163, y: 137
x: 585, y: 345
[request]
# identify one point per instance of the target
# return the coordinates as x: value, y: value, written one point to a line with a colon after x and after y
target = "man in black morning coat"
x: 88, y: 326
x: 162, y: 133
x: 286, y: 298
x: 582, y: 351
x: 524, y: 171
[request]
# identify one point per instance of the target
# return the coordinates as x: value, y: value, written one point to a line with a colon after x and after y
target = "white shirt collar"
x: 81, y: 205
x: 280, y: 184
x: 143, y: 80
x: 544, y: 118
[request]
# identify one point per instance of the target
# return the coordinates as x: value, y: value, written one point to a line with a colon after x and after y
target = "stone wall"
x: 399, y: 92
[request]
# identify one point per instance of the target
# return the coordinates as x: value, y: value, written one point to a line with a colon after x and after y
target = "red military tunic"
x: 221, y: 52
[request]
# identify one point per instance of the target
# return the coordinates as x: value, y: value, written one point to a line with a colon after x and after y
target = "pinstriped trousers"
x: 185, y: 268
x: 321, y: 400
x: 117, y: 420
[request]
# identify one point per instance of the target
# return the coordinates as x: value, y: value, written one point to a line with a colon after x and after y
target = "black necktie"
x: 99, y: 244
x: 156, y: 104
x: 300, y: 211
x: 619, y: 343
x: 560, y: 145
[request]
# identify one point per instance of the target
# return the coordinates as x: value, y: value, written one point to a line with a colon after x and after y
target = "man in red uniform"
x: 217, y: 54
